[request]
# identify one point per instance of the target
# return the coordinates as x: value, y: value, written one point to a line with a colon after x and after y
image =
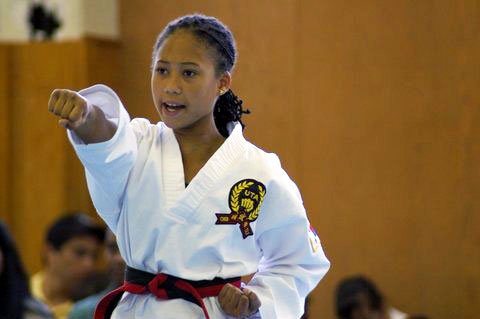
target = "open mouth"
x: 172, y: 107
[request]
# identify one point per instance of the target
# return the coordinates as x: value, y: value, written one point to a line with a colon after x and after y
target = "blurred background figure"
x: 84, y: 309
x: 358, y: 298
x: 16, y: 301
x: 43, y: 21
x: 71, y: 250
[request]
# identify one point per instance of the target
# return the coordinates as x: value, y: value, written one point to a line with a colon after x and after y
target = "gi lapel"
x: 208, y: 176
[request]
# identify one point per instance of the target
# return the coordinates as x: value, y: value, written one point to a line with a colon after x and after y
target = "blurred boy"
x: 72, y: 244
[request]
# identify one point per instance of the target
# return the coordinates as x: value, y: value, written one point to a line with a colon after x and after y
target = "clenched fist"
x: 238, y: 302
x: 70, y: 106
x: 87, y: 121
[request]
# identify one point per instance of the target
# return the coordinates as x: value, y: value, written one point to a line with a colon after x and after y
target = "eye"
x: 161, y: 70
x: 80, y: 252
x: 189, y: 73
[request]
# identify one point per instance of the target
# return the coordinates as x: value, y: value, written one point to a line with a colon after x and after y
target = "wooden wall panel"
x: 46, y: 178
x: 389, y: 90
x: 4, y: 133
x: 38, y: 160
x: 264, y: 78
x: 103, y: 62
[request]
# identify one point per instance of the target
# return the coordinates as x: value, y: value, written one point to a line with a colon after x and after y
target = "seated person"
x: 16, y: 301
x: 84, y: 309
x: 358, y: 298
x: 71, y: 250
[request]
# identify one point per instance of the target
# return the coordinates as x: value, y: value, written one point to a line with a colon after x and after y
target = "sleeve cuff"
x: 107, y: 100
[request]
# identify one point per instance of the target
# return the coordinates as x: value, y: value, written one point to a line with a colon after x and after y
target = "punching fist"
x: 70, y: 106
x: 237, y: 302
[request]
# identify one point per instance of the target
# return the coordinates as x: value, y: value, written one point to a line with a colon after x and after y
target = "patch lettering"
x: 245, y: 200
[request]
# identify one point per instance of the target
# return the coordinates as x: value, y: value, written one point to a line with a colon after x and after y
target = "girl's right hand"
x: 72, y: 108
x: 237, y: 302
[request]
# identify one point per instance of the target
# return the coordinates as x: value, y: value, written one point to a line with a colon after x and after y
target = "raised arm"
x: 77, y: 114
x: 101, y: 133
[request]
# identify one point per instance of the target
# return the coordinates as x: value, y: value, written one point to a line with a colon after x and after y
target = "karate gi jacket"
x: 241, y: 214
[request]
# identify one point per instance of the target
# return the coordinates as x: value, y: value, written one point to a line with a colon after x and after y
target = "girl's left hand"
x: 237, y: 302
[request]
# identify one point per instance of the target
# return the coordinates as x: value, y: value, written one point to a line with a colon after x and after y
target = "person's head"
x: 193, y: 59
x: 72, y: 246
x: 116, y: 264
x: 13, y: 280
x: 358, y: 298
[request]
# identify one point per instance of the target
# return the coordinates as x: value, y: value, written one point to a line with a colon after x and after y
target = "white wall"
x: 79, y: 17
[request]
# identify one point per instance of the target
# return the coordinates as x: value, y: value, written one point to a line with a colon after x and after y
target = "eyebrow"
x: 182, y: 63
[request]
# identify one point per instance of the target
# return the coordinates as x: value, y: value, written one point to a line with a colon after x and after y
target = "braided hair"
x: 218, y: 38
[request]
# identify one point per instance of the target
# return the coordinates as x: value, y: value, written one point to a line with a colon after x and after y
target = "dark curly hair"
x: 73, y: 224
x: 217, y: 37
x: 346, y: 296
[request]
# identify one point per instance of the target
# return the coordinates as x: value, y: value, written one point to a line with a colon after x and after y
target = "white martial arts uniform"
x: 137, y: 184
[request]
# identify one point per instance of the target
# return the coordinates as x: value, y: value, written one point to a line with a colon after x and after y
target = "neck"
x: 199, y: 141
x: 197, y: 148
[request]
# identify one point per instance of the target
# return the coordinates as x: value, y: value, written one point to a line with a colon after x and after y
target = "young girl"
x: 193, y: 204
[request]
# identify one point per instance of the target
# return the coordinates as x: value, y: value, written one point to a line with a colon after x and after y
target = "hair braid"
x: 228, y: 109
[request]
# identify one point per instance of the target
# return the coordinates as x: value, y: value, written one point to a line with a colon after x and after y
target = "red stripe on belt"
x: 163, y: 286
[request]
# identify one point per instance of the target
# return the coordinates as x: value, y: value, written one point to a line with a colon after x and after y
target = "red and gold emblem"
x: 245, y: 200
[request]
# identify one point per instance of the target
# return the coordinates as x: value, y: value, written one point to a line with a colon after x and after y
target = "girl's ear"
x: 225, y: 82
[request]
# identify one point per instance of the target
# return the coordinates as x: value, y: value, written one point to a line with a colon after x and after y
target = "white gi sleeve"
x: 107, y: 164
x: 293, y: 261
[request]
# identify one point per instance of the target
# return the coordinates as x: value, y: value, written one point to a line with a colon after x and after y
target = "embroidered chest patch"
x: 245, y: 200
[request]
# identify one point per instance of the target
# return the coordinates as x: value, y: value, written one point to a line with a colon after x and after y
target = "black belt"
x: 163, y: 286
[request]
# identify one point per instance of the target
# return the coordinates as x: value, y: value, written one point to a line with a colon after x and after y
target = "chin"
x: 177, y: 126
x: 171, y: 125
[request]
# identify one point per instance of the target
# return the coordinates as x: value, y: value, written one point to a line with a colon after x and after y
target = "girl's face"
x: 184, y: 84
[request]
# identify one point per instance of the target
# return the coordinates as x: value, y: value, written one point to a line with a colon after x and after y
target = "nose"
x: 174, y: 91
x: 89, y: 262
x: 172, y: 86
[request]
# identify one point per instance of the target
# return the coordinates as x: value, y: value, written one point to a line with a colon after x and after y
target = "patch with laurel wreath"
x: 245, y: 200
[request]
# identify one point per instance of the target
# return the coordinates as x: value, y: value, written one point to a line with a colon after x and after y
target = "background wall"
x: 40, y: 177
x: 373, y: 109
x: 371, y: 105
